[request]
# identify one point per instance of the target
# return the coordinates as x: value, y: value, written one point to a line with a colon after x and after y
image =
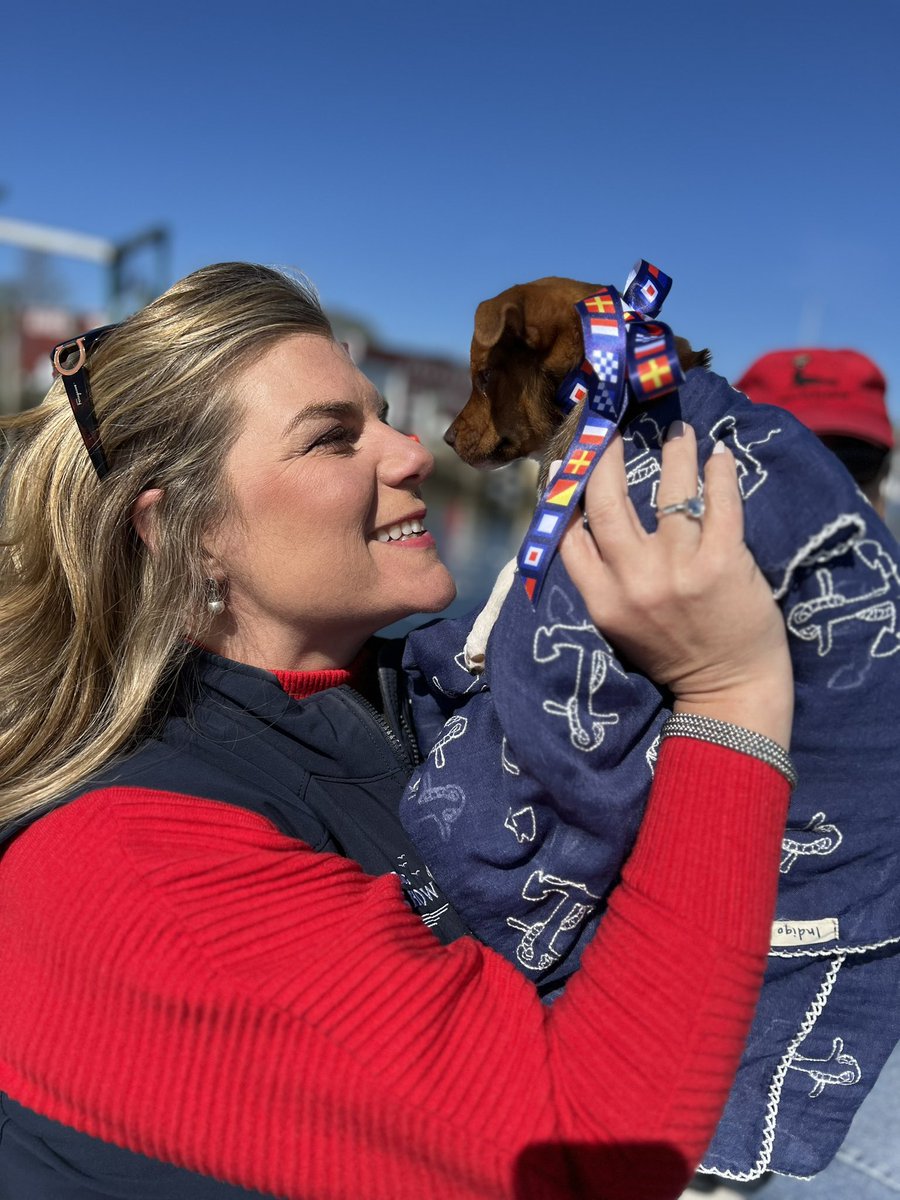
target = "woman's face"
x: 314, y: 553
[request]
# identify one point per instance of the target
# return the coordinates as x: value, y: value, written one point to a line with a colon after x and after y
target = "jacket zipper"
x: 384, y: 725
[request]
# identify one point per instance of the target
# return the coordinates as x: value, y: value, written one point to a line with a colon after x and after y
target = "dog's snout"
x: 450, y: 436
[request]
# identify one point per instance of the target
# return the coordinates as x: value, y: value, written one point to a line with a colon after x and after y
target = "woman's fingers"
x: 679, y: 464
x: 679, y: 486
x: 724, y: 518
x: 608, y: 532
x: 585, y: 567
x: 720, y: 513
x: 610, y: 514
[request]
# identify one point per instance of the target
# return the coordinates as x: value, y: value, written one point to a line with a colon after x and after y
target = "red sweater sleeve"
x: 312, y: 1039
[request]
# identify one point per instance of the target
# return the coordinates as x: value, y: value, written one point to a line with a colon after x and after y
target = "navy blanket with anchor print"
x: 532, y: 794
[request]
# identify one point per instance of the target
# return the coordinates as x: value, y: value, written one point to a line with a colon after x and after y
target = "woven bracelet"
x: 733, y: 737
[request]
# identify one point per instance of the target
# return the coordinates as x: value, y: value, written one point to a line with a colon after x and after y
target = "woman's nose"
x: 406, y: 459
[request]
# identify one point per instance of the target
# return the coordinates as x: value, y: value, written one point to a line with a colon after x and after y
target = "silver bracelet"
x: 734, y: 737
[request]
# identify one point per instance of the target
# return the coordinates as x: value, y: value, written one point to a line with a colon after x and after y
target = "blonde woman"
x: 224, y: 971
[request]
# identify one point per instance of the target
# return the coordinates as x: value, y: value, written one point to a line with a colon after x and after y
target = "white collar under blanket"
x: 541, y: 765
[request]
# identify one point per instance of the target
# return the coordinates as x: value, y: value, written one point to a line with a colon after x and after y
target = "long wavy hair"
x: 92, y: 623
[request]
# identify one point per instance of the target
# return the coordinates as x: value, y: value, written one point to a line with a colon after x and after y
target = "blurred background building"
x: 477, y: 517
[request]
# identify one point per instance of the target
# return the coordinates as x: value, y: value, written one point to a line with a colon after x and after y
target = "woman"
x: 200, y: 989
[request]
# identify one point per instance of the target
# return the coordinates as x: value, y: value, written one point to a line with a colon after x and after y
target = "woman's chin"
x: 435, y: 598
x: 446, y: 595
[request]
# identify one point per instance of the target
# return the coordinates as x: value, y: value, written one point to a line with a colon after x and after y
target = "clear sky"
x: 414, y: 158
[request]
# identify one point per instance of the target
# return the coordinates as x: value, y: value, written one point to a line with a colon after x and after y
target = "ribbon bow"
x: 627, y: 355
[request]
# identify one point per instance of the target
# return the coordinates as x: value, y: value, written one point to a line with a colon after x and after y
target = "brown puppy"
x: 526, y: 341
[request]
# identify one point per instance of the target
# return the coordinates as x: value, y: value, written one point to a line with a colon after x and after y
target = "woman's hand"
x: 687, y: 604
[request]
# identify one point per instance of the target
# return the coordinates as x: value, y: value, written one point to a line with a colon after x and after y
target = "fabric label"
x: 803, y: 933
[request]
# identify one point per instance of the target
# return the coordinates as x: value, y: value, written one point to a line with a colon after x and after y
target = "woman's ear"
x: 142, y: 512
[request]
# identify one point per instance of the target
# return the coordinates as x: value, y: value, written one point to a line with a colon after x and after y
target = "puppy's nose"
x: 450, y: 436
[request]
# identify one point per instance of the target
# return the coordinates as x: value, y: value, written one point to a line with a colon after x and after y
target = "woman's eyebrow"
x: 340, y: 409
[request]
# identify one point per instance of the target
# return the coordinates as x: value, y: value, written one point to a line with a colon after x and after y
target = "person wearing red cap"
x: 840, y: 396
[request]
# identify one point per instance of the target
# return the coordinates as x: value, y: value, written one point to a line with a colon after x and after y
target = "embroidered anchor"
x: 849, y: 1071
x: 539, y: 947
x: 824, y: 839
x: 449, y: 800
x: 832, y: 540
x: 751, y: 473
x: 460, y: 660
x: 646, y: 437
x: 653, y: 754
x: 453, y: 729
x: 586, y: 727
x: 522, y: 824
x: 505, y: 761
x: 872, y: 607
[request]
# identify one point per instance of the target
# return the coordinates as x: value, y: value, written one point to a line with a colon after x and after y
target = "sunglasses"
x: 70, y: 361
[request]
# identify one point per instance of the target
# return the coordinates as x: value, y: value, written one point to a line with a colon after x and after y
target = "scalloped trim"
x: 773, y: 1100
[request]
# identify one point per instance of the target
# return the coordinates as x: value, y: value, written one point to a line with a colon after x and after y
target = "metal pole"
x: 56, y: 241
x: 158, y: 239
x: 10, y: 371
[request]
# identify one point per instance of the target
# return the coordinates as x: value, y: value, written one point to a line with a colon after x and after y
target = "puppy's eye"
x: 482, y: 379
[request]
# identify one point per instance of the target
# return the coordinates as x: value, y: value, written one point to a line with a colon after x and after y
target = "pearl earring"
x: 215, y: 601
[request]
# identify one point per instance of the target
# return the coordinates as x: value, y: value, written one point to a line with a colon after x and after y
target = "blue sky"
x: 414, y: 158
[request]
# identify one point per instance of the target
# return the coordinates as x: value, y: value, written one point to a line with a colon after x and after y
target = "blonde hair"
x: 92, y: 624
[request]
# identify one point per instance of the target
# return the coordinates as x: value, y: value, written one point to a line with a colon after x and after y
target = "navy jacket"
x: 329, y: 770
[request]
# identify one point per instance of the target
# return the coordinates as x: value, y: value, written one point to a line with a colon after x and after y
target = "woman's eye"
x: 339, y: 437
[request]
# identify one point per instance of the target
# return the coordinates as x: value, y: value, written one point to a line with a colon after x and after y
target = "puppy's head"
x: 526, y: 341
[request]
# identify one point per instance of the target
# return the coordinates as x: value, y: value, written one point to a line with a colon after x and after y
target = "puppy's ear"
x: 499, y: 316
x: 689, y: 357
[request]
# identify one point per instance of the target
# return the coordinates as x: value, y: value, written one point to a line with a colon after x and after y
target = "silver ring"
x: 693, y: 507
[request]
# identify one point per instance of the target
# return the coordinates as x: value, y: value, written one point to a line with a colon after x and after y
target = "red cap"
x: 831, y: 391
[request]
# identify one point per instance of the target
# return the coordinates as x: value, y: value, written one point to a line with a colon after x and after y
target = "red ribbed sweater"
x: 313, y: 1040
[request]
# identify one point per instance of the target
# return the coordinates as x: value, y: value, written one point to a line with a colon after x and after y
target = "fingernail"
x: 554, y: 469
x: 719, y: 448
x: 675, y: 430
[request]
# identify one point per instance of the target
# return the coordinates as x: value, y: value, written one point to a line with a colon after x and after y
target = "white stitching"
x: 774, y: 1097
x: 808, y: 554
x: 811, y: 952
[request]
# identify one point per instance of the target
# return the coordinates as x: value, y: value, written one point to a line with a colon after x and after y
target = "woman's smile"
x: 406, y: 531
